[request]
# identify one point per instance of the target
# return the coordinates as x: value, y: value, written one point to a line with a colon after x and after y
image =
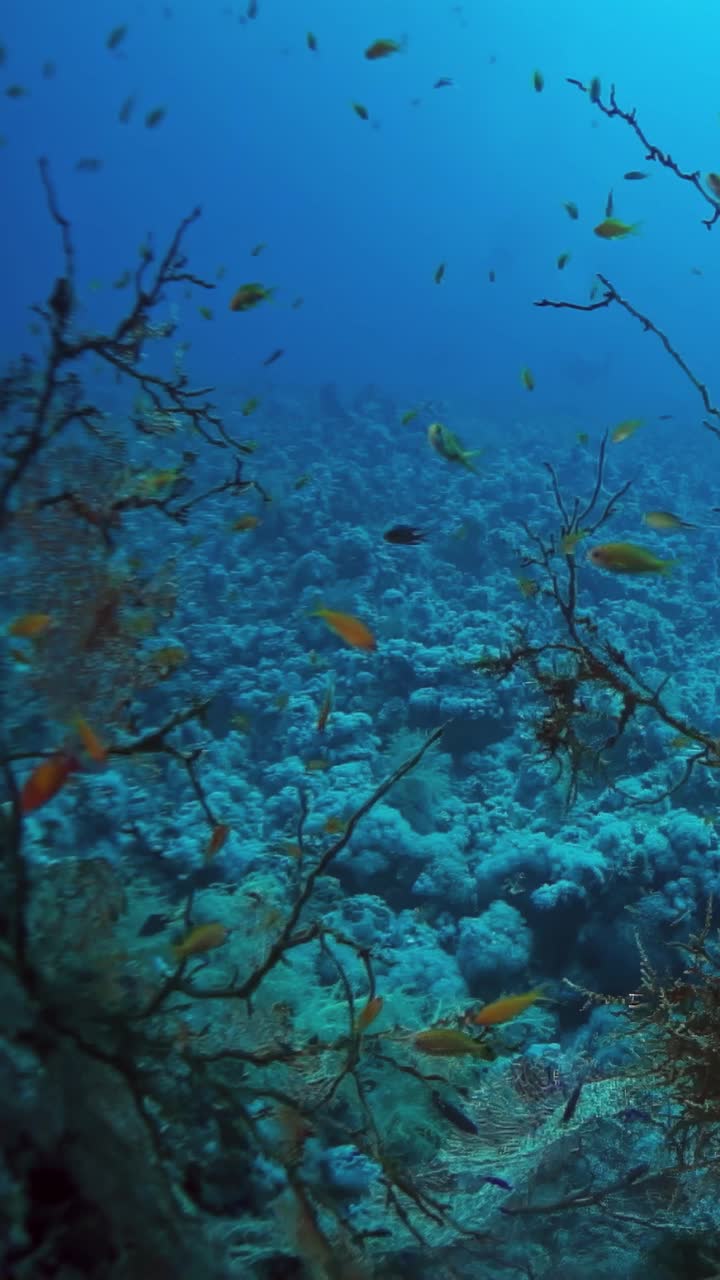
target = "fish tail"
x: 635, y: 229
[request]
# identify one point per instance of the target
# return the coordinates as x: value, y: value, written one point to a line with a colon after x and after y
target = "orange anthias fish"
x: 327, y: 705
x: 46, y: 780
x: 219, y: 835
x: 92, y: 744
x: 382, y: 49
x: 351, y: 629
x: 30, y: 625
x: 203, y: 937
x: 504, y: 1009
x: 368, y: 1015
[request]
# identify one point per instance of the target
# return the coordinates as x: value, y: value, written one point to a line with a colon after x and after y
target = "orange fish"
x: 30, y: 625
x: 46, y: 780
x: 219, y: 835
x: 504, y: 1009
x: 369, y: 1013
x: 350, y: 628
x: 92, y: 744
x: 201, y: 938
x: 382, y: 49
x: 317, y: 765
x: 327, y: 704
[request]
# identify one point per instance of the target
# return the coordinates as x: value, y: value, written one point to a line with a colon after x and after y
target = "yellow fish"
x: 624, y: 430
x: 569, y: 541
x: 665, y: 521
x: 528, y: 587
x: 203, y: 937
x: 614, y: 229
x: 448, y: 445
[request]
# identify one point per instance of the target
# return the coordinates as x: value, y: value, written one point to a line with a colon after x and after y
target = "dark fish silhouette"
x: 404, y: 535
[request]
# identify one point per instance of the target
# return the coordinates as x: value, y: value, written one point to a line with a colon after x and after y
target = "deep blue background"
x: 260, y: 131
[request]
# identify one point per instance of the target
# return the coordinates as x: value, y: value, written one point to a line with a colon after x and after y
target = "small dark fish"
x: 498, y: 1182
x: 257, y: 249
x: 123, y: 280
x: 16, y: 91
x: 116, y: 37
x: 296, y: 303
x: 155, y: 117
x: 439, y: 272
x: 311, y: 41
x: 665, y: 417
x: 252, y: 9
x: 633, y: 1113
x: 48, y: 70
x: 275, y: 355
x: 609, y: 205
x: 635, y: 175
x: 3, y: 55
x: 361, y: 111
x: 126, y: 109
x: 88, y: 164
x: 571, y: 1104
x: 538, y: 81
x: 155, y: 923
x: 595, y: 89
x: 491, y: 277
x: 454, y: 1114
x: 571, y: 210
x: 404, y: 535
x: 443, y: 83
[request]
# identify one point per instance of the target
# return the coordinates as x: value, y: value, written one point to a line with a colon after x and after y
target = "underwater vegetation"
x: 358, y: 858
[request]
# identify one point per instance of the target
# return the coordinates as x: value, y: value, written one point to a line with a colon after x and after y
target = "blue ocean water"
x: 358, y: 675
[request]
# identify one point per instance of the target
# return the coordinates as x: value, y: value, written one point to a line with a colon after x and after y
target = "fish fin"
x: 465, y: 459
